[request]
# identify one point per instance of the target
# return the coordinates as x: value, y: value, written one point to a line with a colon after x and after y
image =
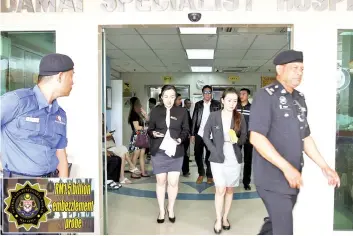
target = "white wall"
x: 138, y: 82
x: 78, y: 35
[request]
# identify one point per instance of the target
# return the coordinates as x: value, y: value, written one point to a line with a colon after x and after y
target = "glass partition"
x: 20, y: 54
x: 343, y: 214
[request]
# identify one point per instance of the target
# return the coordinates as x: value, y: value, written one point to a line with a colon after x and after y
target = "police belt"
x: 9, y: 173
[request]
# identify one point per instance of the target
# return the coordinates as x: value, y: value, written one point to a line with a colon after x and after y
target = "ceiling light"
x: 200, y: 53
x: 201, y: 68
x: 198, y: 30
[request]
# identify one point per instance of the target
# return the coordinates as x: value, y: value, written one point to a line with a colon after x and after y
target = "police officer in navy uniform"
x: 33, y: 125
x: 244, y: 108
x: 280, y: 133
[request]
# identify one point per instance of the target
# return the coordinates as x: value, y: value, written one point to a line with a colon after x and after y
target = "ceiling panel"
x: 235, y: 54
x: 120, y: 31
x: 163, y: 49
x: 163, y: 41
x: 235, y: 41
x: 252, y: 62
x: 260, y: 54
x: 193, y: 41
x: 142, y: 53
x: 165, y: 53
x: 226, y: 62
x: 128, y: 42
x: 156, y: 68
x: 117, y: 54
x: 109, y: 45
x: 270, y: 42
x: 149, y: 62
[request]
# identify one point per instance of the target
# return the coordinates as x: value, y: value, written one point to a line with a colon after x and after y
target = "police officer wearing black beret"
x: 33, y: 125
x: 280, y: 133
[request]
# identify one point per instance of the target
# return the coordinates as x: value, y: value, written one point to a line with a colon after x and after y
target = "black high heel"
x: 217, y: 231
x: 160, y: 221
x: 170, y: 218
x: 225, y: 227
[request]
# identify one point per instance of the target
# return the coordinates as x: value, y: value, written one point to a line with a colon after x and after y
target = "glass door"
x: 104, y: 132
x: 343, y: 212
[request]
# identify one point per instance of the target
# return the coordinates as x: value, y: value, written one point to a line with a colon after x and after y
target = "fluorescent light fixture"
x: 198, y: 30
x: 200, y: 53
x: 201, y: 68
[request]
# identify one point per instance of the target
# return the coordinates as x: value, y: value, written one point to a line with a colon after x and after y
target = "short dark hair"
x: 168, y: 87
x: 207, y: 87
x: 187, y: 100
x: 245, y: 89
x: 152, y: 100
x: 178, y: 95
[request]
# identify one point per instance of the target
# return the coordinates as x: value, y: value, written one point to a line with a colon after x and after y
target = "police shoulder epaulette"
x: 270, y: 89
x: 300, y: 94
x: 25, y: 92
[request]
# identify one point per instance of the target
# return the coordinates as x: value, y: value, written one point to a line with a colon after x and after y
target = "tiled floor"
x: 133, y: 209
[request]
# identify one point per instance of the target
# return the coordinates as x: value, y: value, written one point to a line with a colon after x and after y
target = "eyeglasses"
x: 207, y: 92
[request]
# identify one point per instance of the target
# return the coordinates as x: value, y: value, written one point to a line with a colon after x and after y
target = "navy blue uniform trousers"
x: 280, y: 210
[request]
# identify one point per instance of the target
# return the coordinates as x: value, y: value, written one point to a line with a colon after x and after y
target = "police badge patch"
x: 27, y: 205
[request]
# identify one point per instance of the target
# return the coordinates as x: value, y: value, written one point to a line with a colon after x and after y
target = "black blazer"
x: 197, y: 115
x: 179, y: 127
x: 214, y: 125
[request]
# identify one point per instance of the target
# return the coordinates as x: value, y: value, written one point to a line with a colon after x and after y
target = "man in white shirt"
x: 202, y: 110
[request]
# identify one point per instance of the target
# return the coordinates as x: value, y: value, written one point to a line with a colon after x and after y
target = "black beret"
x: 55, y: 63
x: 288, y: 57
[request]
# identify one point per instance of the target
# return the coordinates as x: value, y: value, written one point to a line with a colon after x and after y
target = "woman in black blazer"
x: 168, y: 128
x: 228, y: 129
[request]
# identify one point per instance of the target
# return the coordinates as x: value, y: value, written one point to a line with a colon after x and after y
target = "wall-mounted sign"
x: 127, y: 87
x: 34, y: 6
x: 266, y: 80
x: 233, y: 78
x: 167, y: 79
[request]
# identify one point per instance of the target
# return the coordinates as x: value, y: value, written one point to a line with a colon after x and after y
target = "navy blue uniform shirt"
x: 282, y: 118
x: 31, y: 132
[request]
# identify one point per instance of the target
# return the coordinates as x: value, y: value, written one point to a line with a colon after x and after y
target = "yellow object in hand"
x: 233, y: 136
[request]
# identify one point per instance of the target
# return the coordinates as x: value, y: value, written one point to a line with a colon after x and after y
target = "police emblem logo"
x: 282, y: 100
x: 27, y: 205
x: 58, y: 118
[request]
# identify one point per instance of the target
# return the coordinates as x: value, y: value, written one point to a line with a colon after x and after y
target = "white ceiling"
x: 163, y: 49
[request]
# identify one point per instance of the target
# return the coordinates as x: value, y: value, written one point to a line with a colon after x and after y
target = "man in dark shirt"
x: 280, y: 133
x: 186, y: 167
x: 244, y: 108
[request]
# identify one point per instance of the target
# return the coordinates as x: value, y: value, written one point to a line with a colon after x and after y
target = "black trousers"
x: 248, y: 148
x: 113, y: 168
x: 186, y: 168
x: 199, y: 147
x: 280, y: 210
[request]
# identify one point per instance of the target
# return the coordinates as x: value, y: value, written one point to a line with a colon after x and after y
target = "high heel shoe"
x: 160, y: 221
x: 226, y: 227
x: 170, y: 218
x: 217, y: 231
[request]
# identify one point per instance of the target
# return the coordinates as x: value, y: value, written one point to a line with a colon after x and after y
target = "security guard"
x: 280, y: 133
x: 33, y: 125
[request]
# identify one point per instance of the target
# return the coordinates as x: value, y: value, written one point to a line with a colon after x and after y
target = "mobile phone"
x: 112, y: 131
